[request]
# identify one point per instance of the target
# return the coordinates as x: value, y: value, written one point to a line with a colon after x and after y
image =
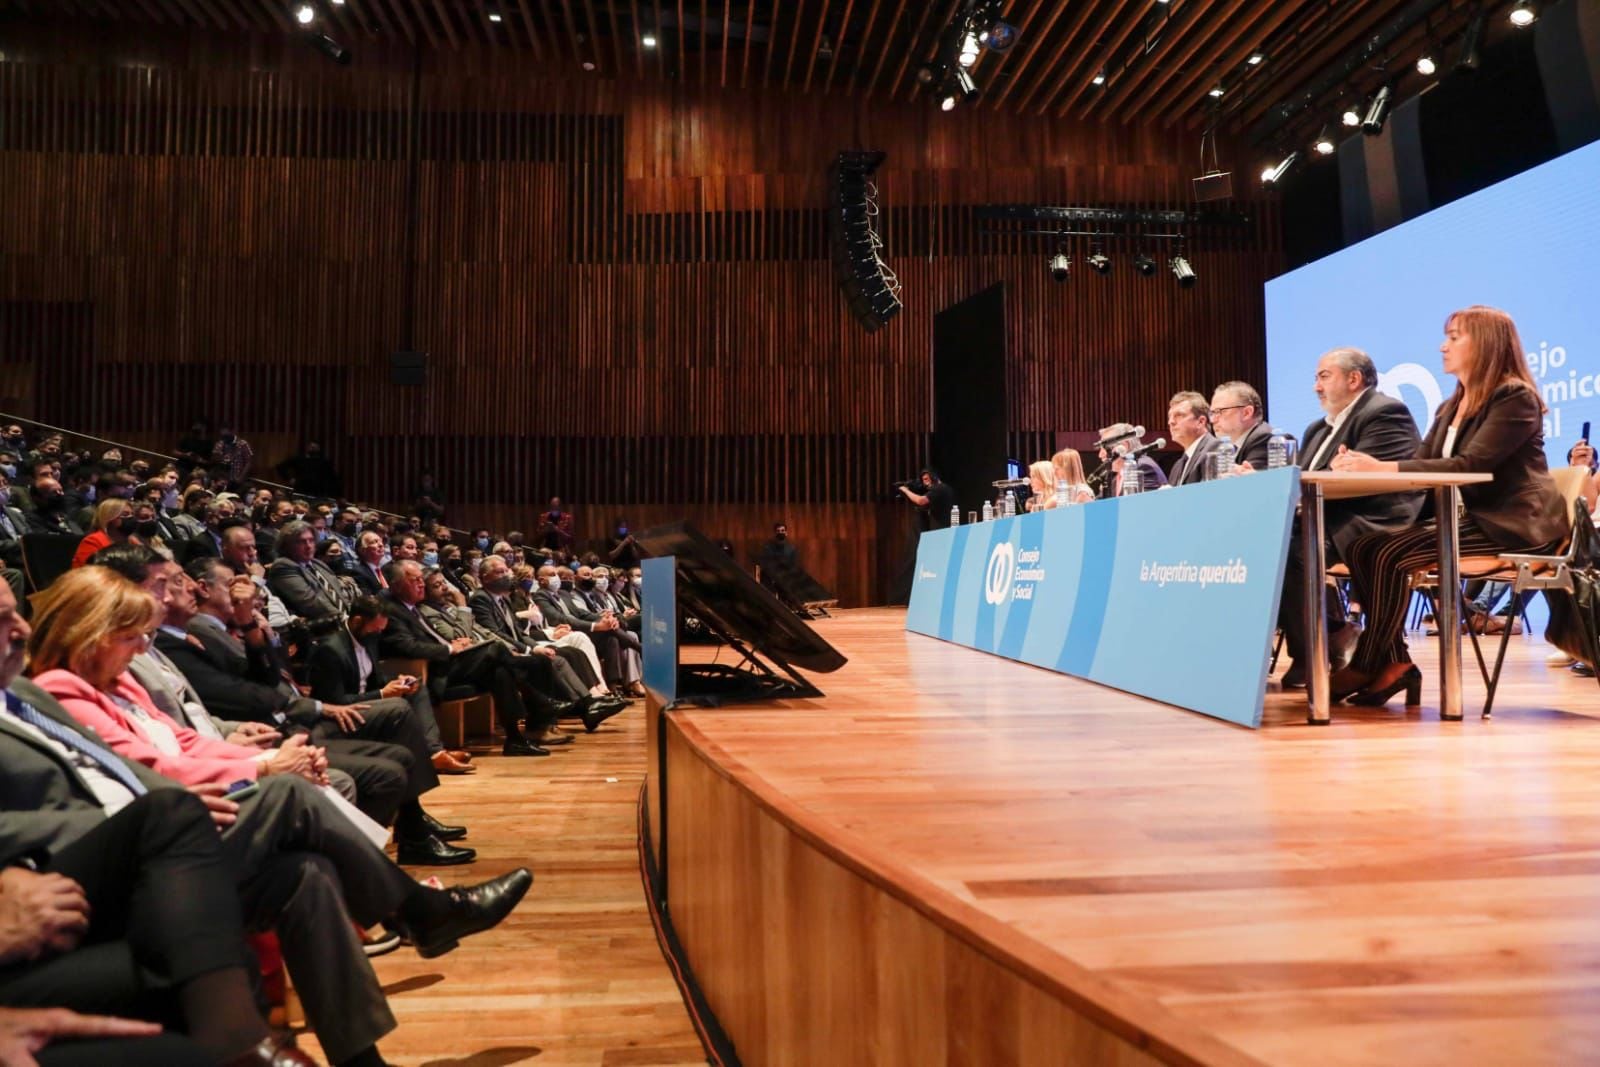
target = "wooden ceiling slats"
x: 1068, y: 36
x: 532, y: 31
x: 883, y: 51
x: 816, y: 45
x: 727, y: 15
x: 1080, y: 74
x: 912, y: 52
x: 1126, y: 98
x: 1244, y: 35
x: 928, y: 47
x: 838, y: 45
x: 446, y: 24
x: 683, y: 47
x: 794, y: 41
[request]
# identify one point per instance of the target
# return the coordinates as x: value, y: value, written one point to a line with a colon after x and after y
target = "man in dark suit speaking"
x: 1358, y: 419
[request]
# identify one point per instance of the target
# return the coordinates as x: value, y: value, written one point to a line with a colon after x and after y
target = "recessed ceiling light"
x: 648, y: 40
x: 1256, y: 59
x: 304, y: 14
x: 1216, y: 91
x: 495, y: 16
x: 1426, y: 65
x: 1523, y: 14
x: 1099, y: 78
x: 1351, y: 117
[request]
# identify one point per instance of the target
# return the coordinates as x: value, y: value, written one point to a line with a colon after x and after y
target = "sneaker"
x: 1583, y: 670
x: 378, y: 941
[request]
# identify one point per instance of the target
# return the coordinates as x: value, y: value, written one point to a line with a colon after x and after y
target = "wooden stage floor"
x: 1388, y: 889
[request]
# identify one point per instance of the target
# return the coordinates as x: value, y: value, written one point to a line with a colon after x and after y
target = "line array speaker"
x: 869, y: 287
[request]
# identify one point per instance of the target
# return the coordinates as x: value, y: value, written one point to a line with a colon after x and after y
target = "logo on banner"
x: 997, y: 579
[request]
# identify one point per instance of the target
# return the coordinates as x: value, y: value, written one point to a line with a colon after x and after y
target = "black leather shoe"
x: 441, y: 831
x: 272, y: 1051
x: 472, y: 910
x: 597, y: 715
x: 594, y: 702
x: 523, y: 747
x: 1294, y: 677
x: 431, y: 852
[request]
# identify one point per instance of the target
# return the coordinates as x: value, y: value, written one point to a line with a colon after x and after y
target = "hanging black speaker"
x: 854, y: 243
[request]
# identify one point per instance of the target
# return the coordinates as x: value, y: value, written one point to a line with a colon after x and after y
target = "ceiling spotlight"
x: 1324, y: 145
x: 1216, y: 91
x: 1060, y: 267
x: 967, y: 87
x: 1000, y: 36
x: 495, y: 16
x: 1523, y: 14
x: 331, y: 48
x: 304, y: 14
x: 1351, y: 117
x: 969, y: 51
x: 1377, y: 112
x: 1144, y: 264
x: 338, y: 3
x: 1183, y: 272
x: 1099, y: 262
x: 1099, y: 77
x: 1274, y: 173
x: 948, y: 103
x: 1468, y: 59
x: 1426, y: 65
x: 1256, y: 59
x: 648, y: 40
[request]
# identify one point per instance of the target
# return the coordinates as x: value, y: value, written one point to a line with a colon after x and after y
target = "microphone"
x: 1109, y: 442
x: 1144, y: 450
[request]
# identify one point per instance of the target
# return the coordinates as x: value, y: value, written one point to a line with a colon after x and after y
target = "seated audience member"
x: 459, y: 660
x: 369, y: 563
x: 345, y: 668
x: 379, y: 745
x: 330, y: 552
x: 404, y: 546
x: 268, y: 524
x: 1068, y: 467
x: 1189, y: 426
x: 114, y: 523
x: 604, y: 599
x: 1491, y: 424
x: 1153, y: 477
x: 308, y: 589
x: 626, y: 589
x: 777, y: 554
x: 1358, y: 419
x: 553, y: 599
x: 1237, y: 414
x: 239, y: 547
x: 49, y: 515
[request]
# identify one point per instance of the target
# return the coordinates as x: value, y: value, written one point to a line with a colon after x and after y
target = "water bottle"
x: 1011, y: 503
x: 988, y: 511
x: 1222, y: 459
x: 1063, y: 493
x: 955, y: 515
x: 1132, y: 476
x: 1277, y: 452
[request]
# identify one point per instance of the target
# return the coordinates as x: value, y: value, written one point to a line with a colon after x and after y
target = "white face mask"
x: 601, y: 584
x: 553, y: 583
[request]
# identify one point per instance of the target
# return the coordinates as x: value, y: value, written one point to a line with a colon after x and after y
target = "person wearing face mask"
x: 606, y: 599
x: 430, y: 554
x: 234, y: 454
x: 191, y: 517
x: 49, y: 510
x: 114, y: 524
x: 8, y: 464
x: 621, y: 549
x: 482, y: 539
x: 562, y: 605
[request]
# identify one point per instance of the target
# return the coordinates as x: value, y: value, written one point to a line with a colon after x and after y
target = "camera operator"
x: 933, y: 503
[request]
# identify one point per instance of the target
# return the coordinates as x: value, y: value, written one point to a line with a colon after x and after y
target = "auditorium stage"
x: 953, y: 857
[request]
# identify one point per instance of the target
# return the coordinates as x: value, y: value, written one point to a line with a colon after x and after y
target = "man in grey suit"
x: 305, y: 584
x: 300, y: 866
x: 1189, y: 425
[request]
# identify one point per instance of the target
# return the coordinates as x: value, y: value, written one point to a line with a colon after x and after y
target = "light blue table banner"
x: 1171, y: 595
x: 659, y: 626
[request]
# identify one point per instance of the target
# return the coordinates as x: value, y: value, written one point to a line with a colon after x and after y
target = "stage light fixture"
x: 924, y: 75
x: 1426, y: 65
x: 1351, y: 117
x: 305, y: 14
x: 967, y: 87
x: 1523, y: 14
x: 1144, y: 264
x: 648, y: 40
x: 1099, y: 262
x: 1182, y: 271
x: 1215, y: 91
x: 1377, y: 111
x: 1470, y: 40
x: 331, y: 48
x: 948, y: 103
x: 1324, y: 145
x: 969, y: 51
x: 1256, y: 59
x: 1060, y: 267
x: 1099, y: 77
x: 1272, y: 175
x: 1000, y: 36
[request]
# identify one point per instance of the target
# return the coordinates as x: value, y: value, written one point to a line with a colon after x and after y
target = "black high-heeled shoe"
x: 1410, y: 680
x: 1347, y: 681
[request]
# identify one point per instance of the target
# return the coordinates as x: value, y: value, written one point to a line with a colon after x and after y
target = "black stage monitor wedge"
x: 749, y: 619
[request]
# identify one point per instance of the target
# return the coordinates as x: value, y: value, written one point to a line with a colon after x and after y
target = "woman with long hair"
x: 114, y: 524
x: 1492, y: 424
x: 1068, y: 467
x: 1042, y: 483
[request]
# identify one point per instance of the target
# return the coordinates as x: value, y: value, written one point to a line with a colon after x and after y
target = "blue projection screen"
x: 1529, y: 245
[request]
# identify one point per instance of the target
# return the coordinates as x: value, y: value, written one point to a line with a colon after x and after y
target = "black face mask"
x: 148, y: 528
x: 48, y: 500
x: 126, y: 526
x: 348, y: 528
x: 782, y: 536
x: 566, y: 583
x: 586, y: 583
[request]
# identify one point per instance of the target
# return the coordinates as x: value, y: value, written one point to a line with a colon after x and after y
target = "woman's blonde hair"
x: 1045, y: 471
x: 109, y: 511
x: 1069, y: 468
x: 81, y: 609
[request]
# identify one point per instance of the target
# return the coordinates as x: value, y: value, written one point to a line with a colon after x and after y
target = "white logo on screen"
x: 1418, y: 377
x: 997, y: 580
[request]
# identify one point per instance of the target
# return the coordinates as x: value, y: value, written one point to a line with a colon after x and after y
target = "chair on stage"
x: 1526, y: 572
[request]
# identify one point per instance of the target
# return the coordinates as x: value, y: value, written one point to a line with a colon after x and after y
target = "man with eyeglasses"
x: 1238, y: 415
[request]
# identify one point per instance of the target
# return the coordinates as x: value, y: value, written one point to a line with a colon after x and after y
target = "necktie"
x: 505, y: 613
x: 320, y: 582
x: 103, y: 757
x: 383, y: 582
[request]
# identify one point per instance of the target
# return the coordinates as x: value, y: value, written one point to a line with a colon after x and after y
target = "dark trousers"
x: 380, y: 771
x: 608, y: 649
x: 162, y: 1050
x: 1379, y: 564
x: 391, y: 722
x: 1292, y: 605
x: 163, y: 911
x: 487, y: 668
x: 580, y: 665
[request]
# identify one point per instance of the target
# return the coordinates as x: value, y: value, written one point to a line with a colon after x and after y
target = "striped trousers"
x: 1379, y: 564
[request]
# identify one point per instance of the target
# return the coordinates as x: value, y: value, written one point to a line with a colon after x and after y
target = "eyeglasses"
x: 1230, y: 407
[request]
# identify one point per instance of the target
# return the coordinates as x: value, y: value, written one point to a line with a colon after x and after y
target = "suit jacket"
x: 1252, y: 447
x: 486, y: 612
x: 366, y: 578
x: 557, y: 612
x: 300, y: 592
x: 406, y: 638
x: 1194, y: 467
x: 335, y: 674
x: 45, y: 804
x: 225, y: 685
x: 1521, y: 508
x: 202, y: 761
x: 53, y: 522
x: 180, y: 705
x: 199, y: 547
x: 1382, y: 427
x: 11, y: 540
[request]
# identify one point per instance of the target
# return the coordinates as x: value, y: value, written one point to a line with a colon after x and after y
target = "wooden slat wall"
x: 624, y: 289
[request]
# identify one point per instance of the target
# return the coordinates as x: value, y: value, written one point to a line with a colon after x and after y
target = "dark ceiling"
x: 1160, y: 61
